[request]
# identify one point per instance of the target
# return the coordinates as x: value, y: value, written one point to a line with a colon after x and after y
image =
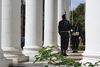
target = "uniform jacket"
x: 64, y: 25
x: 76, y: 28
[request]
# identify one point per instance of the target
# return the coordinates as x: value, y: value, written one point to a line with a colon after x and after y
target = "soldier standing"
x: 76, y: 33
x: 63, y: 28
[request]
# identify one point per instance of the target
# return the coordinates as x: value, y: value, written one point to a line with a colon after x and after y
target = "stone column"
x: 3, y: 61
x: 50, y: 27
x: 60, y: 13
x: 33, y: 28
x: 66, y: 7
x: 11, y: 30
x: 92, y: 31
x: 67, y: 16
x: 63, y: 5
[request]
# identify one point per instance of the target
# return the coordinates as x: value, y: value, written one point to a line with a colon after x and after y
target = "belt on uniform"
x: 75, y: 33
x: 64, y: 31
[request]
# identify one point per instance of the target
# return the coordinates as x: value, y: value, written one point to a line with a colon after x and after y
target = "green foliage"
x: 81, y: 47
x: 46, y: 54
x: 92, y: 65
x: 46, y: 66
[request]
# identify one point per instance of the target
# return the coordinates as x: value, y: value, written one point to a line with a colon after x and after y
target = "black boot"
x: 65, y: 53
x: 74, y: 51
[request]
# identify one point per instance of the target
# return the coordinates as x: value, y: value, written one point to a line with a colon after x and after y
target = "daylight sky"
x: 75, y: 3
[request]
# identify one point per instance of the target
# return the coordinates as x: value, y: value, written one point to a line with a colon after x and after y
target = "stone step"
x: 77, y: 56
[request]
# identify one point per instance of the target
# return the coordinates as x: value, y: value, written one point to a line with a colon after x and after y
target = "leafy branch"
x: 46, y: 53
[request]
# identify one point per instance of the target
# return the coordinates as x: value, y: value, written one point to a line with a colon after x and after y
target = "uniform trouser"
x: 64, y: 41
x: 75, y: 42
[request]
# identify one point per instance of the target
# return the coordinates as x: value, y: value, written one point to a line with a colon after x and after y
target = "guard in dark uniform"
x: 63, y: 28
x: 76, y: 33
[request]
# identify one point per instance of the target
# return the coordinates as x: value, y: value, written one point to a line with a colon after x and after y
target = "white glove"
x: 79, y: 38
x: 71, y: 30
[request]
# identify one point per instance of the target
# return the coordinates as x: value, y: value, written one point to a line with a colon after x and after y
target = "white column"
x: 33, y: 28
x: 50, y: 27
x: 63, y: 5
x: 67, y: 16
x: 60, y: 13
x: 3, y: 61
x: 11, y: 30
x: 66, y: 7
x: 92, y: 29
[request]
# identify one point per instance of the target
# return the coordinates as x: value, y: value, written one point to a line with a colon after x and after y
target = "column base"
x: 31, y: 54
x: 9, y: 61
x: 4, y: 60
x: 15, y: 54
x: 4, y: 64
x: 16, y: 59
x: 19, y: 59
x: 90, y: 57
x: 59, y: 46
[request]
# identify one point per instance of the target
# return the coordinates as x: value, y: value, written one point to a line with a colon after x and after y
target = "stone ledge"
x: 19, y: 59
x: 4, y: 64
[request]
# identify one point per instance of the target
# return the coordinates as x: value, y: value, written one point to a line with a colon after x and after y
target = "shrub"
x: 81, y: 47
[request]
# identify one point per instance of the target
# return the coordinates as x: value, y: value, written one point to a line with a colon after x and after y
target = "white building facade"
x: 10, y: 23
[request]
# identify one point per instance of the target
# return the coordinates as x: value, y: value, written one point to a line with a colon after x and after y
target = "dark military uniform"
x: 75, y: 37
x: 63, y: 28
